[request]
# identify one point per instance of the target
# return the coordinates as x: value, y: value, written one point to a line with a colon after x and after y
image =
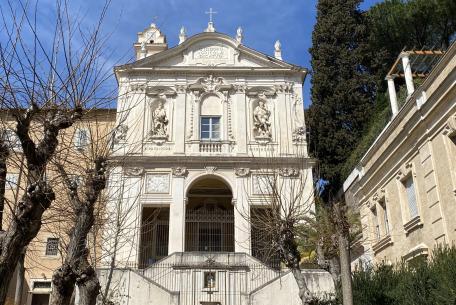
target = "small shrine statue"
x: 261, y: 121
x: 160, y: 121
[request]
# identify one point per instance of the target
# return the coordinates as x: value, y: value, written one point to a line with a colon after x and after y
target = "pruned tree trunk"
x: 76, y: 269
x: 343, y: 231
x: 288, y: 250
x: 345, y: 270
x: 26, y: 221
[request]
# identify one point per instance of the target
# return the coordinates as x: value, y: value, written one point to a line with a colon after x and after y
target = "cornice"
x: 217, y: 161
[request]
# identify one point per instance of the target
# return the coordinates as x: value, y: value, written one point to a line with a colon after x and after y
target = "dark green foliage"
x: 341, y: 87
x: 421, y: 283
x: 395, y: 25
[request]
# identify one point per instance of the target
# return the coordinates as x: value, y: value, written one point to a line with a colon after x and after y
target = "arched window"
x: 211, y: 117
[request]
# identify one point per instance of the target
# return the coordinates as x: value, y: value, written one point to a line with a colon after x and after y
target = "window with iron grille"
x: 411, y: 196
x: 52, y: 246
x: 42, y: 285
x: 210, y: 128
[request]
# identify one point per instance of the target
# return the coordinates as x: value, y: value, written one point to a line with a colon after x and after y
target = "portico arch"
x: 209, y: 216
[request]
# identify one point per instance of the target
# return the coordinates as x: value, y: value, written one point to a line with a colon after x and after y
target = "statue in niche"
x: 160, y: 121
x: 261, y: 116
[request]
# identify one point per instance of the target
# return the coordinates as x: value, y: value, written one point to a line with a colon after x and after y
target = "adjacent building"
x: 405, y: 184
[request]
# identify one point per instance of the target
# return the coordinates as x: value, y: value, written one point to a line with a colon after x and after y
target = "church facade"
x: 200, y: 126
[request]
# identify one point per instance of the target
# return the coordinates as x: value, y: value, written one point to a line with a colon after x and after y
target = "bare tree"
x: 45, y: 88
x: 284, y: 190
x: 83, y: 174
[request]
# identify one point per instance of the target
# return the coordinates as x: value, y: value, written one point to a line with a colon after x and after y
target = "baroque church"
x: 199, y: 128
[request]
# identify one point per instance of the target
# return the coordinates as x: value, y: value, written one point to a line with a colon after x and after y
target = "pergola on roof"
x: 421, y: 62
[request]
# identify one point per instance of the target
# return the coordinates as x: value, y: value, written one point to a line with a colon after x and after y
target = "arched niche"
x: 211, y: 105
x: 261, y: 119
x: 159, y: 119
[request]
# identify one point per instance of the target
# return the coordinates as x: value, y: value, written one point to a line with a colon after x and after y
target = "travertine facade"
x: 200, y: 124
x: 405, y: 185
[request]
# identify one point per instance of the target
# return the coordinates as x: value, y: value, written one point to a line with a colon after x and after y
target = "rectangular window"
x: 81, y: 138
x: 52, y: 246
x: 411, y: 196
x: 210, y: 128
x: 376, y: 224
x: 385, y: 216
x: 11, y: 180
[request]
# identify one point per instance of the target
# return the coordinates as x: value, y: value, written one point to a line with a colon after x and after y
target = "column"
x: 408, y: 73
x: 392, y: 95
x: 177, y: 212
x: 242, y: 229
x: 179, y: 121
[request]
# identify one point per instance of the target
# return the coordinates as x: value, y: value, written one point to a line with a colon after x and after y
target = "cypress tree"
x: 342, y: 87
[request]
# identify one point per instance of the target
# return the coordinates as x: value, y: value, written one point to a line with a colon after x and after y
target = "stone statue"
x: 160, y: 121
x: 120, y: 134
x: 261, y: 120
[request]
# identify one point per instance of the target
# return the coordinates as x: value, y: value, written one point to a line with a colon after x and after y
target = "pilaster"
x: 242, y: 228
x: 177, y: 211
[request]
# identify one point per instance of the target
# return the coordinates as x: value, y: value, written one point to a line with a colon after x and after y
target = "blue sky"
x: 263, y: 22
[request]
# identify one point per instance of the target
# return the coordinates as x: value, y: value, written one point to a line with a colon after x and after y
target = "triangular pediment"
x: 210, y: 49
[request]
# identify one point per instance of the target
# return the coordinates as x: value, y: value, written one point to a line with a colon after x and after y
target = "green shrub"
x: 425, y: 282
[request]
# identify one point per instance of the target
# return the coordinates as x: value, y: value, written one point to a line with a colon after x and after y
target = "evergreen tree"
x: 342, y: 87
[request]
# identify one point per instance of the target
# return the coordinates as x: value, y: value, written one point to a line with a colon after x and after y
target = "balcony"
x: 210, y: 147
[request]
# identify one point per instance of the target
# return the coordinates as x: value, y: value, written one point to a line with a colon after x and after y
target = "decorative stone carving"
x: 211, y: 52
x: 210, y: 83
x: 299, y: 134
x: 239, y: 35
x: 134, y: 171
x: 180, y: 88
x: 404, y: 171
x: 242, y: 171
x: 450, y: 127
x: 210, y: 169
x: 182, y: 35
x: 378, y: 195
x: 120, y: 134
x: 157, y: 183
x: 278, y: 50
x: 159, y: 132
x: 262, y: 184
x: 138, y: 87
x: 288, y: 172
x: 239, y: 88
x: 262, y: 125
x: 179, y: 171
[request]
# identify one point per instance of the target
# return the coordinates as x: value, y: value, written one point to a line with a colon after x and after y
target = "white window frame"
x: 11, y: 183
x: 77, y: 138
x: 412, y: 206
x: 210, y: 117
x: 11, y: 139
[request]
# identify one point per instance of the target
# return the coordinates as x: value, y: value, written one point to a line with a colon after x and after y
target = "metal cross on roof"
x: 211, y: 12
